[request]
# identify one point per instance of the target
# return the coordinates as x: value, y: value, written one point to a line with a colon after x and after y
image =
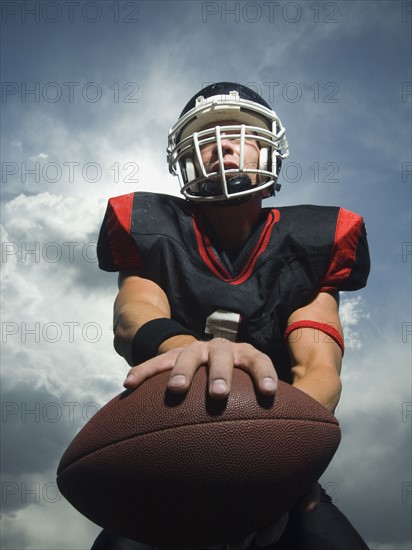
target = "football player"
x: 215, y: 279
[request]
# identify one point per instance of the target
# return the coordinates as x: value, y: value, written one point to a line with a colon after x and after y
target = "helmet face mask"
x: 218, y: 122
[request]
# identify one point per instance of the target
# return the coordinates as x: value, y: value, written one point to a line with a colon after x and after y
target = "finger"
x: 187, y: 363
x: 259, y: 366
x: 221, y: 362
x: 272, y: 534
x: 310, y: 501
x: 138, y: 374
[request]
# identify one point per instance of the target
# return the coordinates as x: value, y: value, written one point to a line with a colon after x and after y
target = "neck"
x: 233, y: 224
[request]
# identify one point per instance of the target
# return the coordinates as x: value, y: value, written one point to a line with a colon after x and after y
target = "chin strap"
x: 234, y: 185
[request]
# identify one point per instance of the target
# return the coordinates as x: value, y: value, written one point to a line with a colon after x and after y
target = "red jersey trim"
x: 206, y: 253
x: 347, y: 234
x: 122, y: 246
x: 123, y: 206
x: 209, y: 257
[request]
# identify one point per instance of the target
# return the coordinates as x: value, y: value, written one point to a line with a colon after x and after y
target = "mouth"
x: 228, y: 165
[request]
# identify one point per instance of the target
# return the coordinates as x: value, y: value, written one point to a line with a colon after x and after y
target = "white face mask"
x: 198, y: 144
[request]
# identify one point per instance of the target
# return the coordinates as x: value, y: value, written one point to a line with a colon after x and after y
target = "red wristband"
x: 323, y: 327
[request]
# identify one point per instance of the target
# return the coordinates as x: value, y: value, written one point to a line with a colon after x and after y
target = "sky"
x: 89, y: 92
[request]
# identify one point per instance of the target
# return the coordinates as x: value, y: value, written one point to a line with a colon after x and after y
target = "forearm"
x: 324, y: 385
x: 138, y: 301
x: 128, y: 319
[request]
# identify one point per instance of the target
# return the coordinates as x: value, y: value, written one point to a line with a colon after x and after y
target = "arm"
x: 315, y: 358
x: 139, y: 301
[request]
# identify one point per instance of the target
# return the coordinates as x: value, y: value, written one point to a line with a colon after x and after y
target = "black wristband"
x: 148, y: 338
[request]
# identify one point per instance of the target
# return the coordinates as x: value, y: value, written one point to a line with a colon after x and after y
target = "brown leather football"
x: 189, y: 470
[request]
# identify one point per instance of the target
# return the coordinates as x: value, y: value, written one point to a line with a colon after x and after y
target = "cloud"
x: 40, y: 156
x: 369, y: 476
x: 351, y: 312
x: 58, y: 363
x: 55, y: 301
x: 65, y: 528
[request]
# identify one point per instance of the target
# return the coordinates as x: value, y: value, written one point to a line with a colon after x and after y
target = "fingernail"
x: 177, y: 381
x: 219, y: 387
x: 129, y: 379
x: 268, y: 384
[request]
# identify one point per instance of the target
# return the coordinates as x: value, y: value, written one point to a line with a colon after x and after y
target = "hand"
x: 266, y: 536
x: 221, y: 357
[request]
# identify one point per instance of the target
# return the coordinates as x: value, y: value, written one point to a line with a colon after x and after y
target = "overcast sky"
x: 89, y: 92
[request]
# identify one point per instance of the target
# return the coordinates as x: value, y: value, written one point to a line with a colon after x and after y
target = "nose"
x: 228, y: 145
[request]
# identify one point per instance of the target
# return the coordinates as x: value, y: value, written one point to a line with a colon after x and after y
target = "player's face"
x: 230, y: 151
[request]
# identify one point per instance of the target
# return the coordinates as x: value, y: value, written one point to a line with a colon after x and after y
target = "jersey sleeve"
x: 350, y: 263
x: 116, y: 248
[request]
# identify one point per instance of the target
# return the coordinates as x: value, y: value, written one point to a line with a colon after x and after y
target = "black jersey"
x: 293, y: 254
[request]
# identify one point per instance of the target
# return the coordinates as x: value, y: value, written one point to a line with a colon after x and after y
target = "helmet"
x: 237, y: 113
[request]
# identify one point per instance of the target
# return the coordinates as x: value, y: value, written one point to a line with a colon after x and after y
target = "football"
x: 188, y: 470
